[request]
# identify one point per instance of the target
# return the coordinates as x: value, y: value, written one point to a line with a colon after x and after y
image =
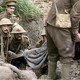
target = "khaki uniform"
x: 59, y: 40
x: 39, y: 43
x: 75, y: 18
x: 4, y: 14
x: 6, y: 40
x: 43, y: 40
x: 17, y: 47
x: 12, y: 17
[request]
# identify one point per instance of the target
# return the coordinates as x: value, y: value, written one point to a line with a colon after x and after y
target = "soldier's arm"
x: 67, y: 5
x: 25, y: 42
x: 2, y: 15
x: 12, y: 55
x: 38, y: 44
x: 75, y: 17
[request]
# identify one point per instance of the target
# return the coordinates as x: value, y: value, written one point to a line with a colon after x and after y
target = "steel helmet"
x: 18, y: 29
x: 5, y: 21
x: 43, y: 32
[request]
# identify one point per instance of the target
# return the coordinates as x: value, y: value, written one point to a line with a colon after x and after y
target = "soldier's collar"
x: 7, y: 14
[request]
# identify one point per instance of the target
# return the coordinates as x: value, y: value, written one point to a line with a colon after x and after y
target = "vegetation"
x: 1, y: 9
x: 27, y: 10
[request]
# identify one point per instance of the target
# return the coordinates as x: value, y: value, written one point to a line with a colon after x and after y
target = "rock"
x: 10, y: 72
x: 43, y: 77
x: 6, y: 73
x: 28, y: 75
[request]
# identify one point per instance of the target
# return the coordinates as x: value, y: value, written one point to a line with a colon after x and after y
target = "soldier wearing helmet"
x: 60, y: 43
x: 43, y: 39
x: 42, y: 43
x: 17, y: 45
x: 9, y: 10
x: 5, y: 25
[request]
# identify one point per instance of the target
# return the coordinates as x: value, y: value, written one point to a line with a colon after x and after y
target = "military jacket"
x: 62, y: 5
x: 75, y: 17
x: 12, y: 17
x: 5, y: 44
x: 39, y: 43
x: 16, y: 46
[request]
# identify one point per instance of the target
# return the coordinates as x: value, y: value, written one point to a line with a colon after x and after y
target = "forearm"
x: 12, y: 54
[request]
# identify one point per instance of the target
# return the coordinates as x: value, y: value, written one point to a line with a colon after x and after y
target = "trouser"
x: 19, y: 63
x: 60, y: 44
x: 77, y: 51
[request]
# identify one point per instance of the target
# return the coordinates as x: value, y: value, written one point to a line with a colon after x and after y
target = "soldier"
x: 17, y: 45
x: 59, y: 40
x: 5, y: 25
x: 75, y: 18
x: 43, y: 40
x: 9, y: 10
x: 42, y: 43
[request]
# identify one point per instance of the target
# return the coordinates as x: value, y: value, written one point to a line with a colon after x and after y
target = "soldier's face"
x: 18, y: 36
x: 5, y: 28
x: 10, y: 9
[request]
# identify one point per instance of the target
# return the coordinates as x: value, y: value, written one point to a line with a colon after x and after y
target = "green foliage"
x: 27, y: 10
x: 1, y: 9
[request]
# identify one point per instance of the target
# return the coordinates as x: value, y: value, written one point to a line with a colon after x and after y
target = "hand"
x: 12, y: 54
x: 78, y: 37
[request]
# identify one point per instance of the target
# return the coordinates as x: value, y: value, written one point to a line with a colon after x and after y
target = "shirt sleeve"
x: 25, y: 43
x: 75, y: 17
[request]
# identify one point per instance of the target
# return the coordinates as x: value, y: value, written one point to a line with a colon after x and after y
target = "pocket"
x: 63, y: 21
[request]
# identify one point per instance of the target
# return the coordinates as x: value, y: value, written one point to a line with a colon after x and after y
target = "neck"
x: 18, y: 40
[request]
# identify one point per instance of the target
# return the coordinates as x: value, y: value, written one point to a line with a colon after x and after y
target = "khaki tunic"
x: 6, y: 39
x: 61, y: 5
x: 59, y: 40
x: 75, y: 17
x: 39, y: 43
x: 15, y: 46
x: 60, y: 43
x: 12, y: 17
